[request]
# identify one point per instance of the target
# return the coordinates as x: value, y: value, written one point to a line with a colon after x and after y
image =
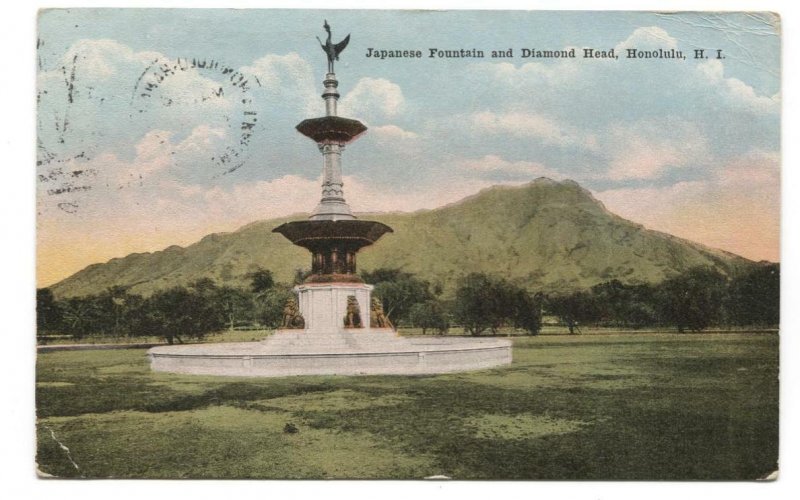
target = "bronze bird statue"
x: 332, y: 50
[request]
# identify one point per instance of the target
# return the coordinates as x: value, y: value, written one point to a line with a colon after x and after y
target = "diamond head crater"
x: 546, y: 235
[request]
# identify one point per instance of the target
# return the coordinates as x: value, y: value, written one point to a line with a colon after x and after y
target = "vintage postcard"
x: 351, y: 244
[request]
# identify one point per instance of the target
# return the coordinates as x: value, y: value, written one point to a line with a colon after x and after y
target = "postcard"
x: 386, y: 244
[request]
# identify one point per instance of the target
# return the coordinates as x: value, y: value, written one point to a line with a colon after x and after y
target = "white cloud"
x: 111, y: 186
x: 492, y: 164
x: 648, y: 38
x: 646, y: 149
x: 530, y: 74
x: 373, y: 97
x: 288, y: 77
x: 758, y: 170
x: 735, y: 91
x: 244, y: 203
x: 367, y: 197
x: 392, y: 133
x: 532, y: 125
x: 280, y: 72
x: 159, y: 155
x: 101, y: 59
x: 580, y: 102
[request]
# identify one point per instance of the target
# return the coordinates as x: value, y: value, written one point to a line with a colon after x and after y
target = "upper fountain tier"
x: 333, y: 235
x: 331, y: 129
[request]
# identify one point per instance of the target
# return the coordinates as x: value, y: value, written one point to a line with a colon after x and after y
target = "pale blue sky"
x: 690, y: 147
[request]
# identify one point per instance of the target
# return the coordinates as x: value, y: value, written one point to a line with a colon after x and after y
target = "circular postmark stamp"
x: 205, y: 82
x: 92, y: 108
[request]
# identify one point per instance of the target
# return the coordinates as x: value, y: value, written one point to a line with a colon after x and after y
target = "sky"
x: 132, y: 158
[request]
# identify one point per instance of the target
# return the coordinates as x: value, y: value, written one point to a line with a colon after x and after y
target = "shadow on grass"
x: 136, y: 395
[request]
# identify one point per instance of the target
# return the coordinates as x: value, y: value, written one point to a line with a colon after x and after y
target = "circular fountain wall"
x: 345, y: 352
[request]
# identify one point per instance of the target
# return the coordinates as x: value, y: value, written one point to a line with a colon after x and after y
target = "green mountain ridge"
x: 546, y: 235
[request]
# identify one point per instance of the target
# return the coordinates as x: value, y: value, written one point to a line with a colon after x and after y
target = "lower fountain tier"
x: 311, y: 233
x: 345, y: 352
x: 333, y: 244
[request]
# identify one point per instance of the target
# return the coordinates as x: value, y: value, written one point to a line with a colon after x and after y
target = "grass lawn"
x: 221, y: 336
x: 626, y: 406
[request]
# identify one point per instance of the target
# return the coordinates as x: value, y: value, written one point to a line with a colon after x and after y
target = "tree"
x: 754, y: 298
x: 527, y: 313
x: 236, y: 305
x: 642, y: 306
x: 261, y: 280
x: 693, y: 299
x: 112, y: 308
x: 178, y: 312
x: 573, y: 309
x: 131, y: 308
x: 300, y: 275
x: 48, y: 312
x: 430, y: 314
x: 398, y: 292
x: 82, y: 316
x: 483, y: 302
x: 270, y: 304
x: 617, y: 304
x: 610, y: 300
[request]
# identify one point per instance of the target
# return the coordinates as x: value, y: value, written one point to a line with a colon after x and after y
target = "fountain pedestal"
x: 324, y: 305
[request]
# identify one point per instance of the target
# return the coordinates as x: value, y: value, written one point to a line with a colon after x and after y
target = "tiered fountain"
x: 334, y: 327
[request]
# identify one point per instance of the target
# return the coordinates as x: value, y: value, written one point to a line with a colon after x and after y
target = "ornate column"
x: 332, y: 133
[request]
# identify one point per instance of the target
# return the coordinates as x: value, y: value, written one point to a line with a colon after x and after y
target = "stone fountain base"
x: 343, y: 352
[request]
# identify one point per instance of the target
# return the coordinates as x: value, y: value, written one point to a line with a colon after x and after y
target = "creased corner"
x: 772, y: 476
x: 44, y: 475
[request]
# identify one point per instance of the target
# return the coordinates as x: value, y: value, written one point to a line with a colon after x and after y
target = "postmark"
x: 164, y: 90
x: 229, y: 83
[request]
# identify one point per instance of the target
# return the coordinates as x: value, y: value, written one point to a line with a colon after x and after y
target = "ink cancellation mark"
x: 62, y: 148
x: 229, y: 82
x: 53, y: 161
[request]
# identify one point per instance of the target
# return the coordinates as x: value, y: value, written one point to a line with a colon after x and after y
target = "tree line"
x: 174, y: 314
x: 697, y: 299
x: 692, y: 301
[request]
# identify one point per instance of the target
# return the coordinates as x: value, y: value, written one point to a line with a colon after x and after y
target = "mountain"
x: 550, y: 236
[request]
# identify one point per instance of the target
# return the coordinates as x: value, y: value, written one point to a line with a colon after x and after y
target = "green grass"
x: 546, y: 330
x: 626, y: 406
x: 221, y: 336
